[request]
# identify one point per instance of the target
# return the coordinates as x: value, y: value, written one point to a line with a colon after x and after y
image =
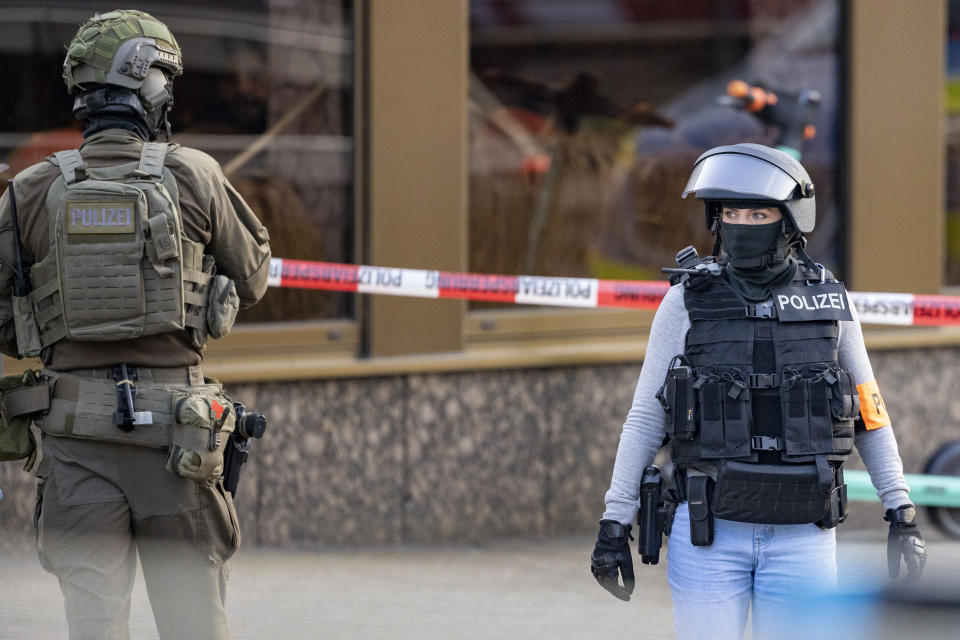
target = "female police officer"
x: 756, y: 372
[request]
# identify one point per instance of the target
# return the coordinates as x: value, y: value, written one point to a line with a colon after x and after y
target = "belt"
x: 175, y: 375
x: 68, y: 382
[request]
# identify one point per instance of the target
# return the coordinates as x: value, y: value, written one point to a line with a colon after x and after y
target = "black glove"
x: 612, y: 554
x: 905, y: 540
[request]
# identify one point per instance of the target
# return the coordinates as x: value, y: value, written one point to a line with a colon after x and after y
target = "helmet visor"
x: 736, y: 176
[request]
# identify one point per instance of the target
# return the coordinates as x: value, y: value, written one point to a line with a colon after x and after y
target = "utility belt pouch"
x: 838, y: 503
x: 772, y: 494
x: 25, y: 326
x: 202, y: 425
x: 21, y: 398
x: 222, y: 306
x: 699, y: 489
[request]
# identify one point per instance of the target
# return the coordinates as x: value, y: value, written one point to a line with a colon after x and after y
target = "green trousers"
x: 99, y: 505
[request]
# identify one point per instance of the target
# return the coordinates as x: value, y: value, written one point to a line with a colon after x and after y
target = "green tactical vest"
x: 119, y: 265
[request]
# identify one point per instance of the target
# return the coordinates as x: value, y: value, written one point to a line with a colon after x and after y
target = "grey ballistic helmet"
x: 753, y: 172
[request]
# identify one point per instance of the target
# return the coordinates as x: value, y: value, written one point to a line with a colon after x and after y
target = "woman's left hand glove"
x: 904, y: 540
x: 611, y: 556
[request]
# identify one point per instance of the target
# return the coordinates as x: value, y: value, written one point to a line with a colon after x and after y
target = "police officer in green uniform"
x: 136, y: 252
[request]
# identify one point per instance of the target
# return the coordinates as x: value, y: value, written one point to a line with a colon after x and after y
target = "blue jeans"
x: 773, y: 566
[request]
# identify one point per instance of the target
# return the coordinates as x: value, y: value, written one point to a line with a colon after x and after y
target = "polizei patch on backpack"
x: 100, y: 217
x: 803, y: 303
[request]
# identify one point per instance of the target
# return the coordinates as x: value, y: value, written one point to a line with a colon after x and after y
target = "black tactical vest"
x: 759, y: 394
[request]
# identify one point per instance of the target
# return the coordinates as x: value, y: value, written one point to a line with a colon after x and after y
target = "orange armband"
x: 872, y: 409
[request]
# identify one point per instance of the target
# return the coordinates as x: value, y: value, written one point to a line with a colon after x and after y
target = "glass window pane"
x: 587, y: 117
x: 267, y: 90
x: 952, y: 199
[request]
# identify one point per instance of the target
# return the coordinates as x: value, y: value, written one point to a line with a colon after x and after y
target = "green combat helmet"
x: 121, y: 61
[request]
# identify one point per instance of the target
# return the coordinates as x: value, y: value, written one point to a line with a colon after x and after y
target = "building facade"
x: 509, y: 137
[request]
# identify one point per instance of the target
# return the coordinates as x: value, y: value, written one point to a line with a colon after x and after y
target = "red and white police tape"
x: 877, y: 308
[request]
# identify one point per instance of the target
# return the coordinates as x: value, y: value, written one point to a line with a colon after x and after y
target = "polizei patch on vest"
x: 803, y: 303
x: 100, y: 217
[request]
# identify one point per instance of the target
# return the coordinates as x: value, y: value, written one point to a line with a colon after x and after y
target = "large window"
x: 266, y: 90
x: 587, y: 116
x: 952, y: 131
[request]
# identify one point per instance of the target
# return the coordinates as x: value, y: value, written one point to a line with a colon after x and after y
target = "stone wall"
x: 479, y: 455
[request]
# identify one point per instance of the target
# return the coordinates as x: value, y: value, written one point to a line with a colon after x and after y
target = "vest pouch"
x: 161, y: 268
x: 222, y: 306
x: 845, y: 401
x: 711, y: 421
x: 736, y: 421
x: 99, y: 244
x: 679, y: 400
x: 820, y: 418
x: 807, y: 421
x: 202, y: 426
x: 770, y: 494
x: 843, y: 434
x: 25, y: 326
x: 196, y: 296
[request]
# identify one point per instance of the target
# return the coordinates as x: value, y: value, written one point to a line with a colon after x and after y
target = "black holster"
x: 838, y: 503
x: 655, y: 518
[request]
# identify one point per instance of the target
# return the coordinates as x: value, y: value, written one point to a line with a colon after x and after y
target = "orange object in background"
x: 738, y: 89
x: 536, y: 164
x: 754, y: 98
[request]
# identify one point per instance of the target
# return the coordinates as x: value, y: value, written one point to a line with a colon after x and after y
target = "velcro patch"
x: 217, y: 409
x: 872, y: 408
x: 100, y: 217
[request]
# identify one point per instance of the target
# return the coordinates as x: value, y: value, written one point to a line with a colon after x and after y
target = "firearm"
x: 21, y: 279
x: 249, y: 426
x: 655, y: 517
x: 690, y: 264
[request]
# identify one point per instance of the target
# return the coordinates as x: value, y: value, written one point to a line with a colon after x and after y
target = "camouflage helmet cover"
x: 119, y: 48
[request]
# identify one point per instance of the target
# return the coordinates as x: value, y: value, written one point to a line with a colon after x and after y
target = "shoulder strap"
x: 72, y: 166
x: 151, y: 158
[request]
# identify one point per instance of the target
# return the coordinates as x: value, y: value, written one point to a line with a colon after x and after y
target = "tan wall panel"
x: 418, y: 58
x: 896, y: 237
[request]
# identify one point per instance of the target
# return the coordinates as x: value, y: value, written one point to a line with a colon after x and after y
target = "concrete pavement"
x: 509, y: 589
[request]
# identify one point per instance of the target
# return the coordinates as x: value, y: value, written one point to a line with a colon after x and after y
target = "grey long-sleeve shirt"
x: 645, y: 426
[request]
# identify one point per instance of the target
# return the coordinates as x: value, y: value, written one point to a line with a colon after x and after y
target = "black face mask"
x: 749, y: 243
x: 744, y: 241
